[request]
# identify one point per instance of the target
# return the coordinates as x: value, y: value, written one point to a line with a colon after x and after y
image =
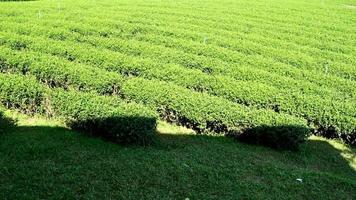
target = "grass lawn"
x: 41, y: 159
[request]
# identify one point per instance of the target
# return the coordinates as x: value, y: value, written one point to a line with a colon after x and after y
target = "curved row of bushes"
x: 199, y: 111
x: 104, y: 116
x: 320, y: 113
x: 246, y: 43
x: 58, y: 72
x: 201, y: 20
x: 190, y: 54
x: 179, y: 41
x: 215, y: 66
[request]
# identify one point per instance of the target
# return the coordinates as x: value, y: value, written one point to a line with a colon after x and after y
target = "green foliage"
x: 201, y: 112
x: 25, y: 94
x: 317, y: 107
x: 56, y: 72
x: 205, y: 113
x: 99, y: 115
x: 266, y: 72
x: 278, y: 137
x: 120, y: 122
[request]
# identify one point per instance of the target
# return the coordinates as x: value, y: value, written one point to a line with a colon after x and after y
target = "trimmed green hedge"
x: 201, y: 111
x: 206, y: 113
x: 57, y: 72
x: 326, y: 115
x: 279, y: 137
x: 120, y: 122
x: 131, y: 123
x: 99, y: 115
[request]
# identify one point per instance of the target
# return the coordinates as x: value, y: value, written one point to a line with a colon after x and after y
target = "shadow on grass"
x: 62, y: 163
x: 317, y: 153
x: 6, y: 123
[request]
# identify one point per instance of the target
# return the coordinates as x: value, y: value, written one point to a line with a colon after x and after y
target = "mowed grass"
x: 41, y: 159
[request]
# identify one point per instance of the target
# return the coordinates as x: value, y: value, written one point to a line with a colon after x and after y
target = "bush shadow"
x: 190, y: 157
x: 6, y: 123
x: 316, y: 154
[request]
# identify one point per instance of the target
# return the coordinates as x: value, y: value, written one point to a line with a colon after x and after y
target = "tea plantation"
x: 279, y: 74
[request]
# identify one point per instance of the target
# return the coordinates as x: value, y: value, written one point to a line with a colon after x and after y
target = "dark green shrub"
x: 120, y: 129
x: 102, y: 116
x: 288, y: 137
